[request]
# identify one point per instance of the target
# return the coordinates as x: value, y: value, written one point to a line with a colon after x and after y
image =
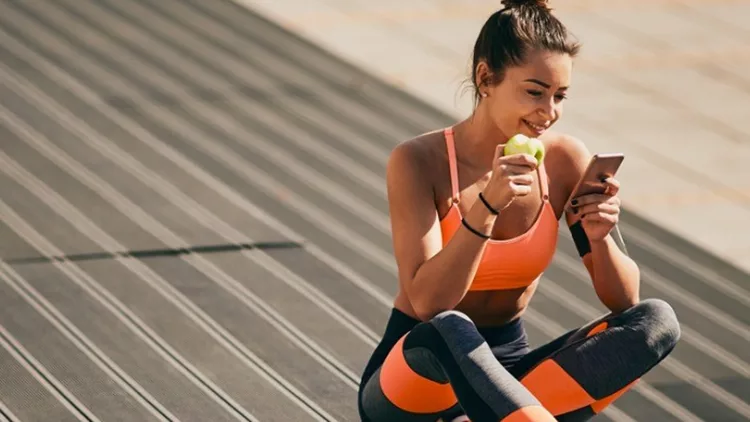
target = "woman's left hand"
x: 599, y: 213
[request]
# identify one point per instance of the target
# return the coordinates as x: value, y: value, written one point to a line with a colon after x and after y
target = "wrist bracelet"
x: 487, y: 204
x: 473, y: 230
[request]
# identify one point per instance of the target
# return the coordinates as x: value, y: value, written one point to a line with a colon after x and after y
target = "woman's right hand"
x: 511, y: 177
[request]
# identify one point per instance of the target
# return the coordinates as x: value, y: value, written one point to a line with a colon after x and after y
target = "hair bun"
x: 518, y: 3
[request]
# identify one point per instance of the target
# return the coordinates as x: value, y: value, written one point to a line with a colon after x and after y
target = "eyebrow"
x: 544, y: 84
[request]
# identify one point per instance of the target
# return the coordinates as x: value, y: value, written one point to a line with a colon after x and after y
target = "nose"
x: 549, y: 110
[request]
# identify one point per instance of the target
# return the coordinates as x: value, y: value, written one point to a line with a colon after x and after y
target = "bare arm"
x: 434, y: 278
x: 615, y: 275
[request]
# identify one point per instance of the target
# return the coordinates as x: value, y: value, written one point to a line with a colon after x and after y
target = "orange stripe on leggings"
x: 557, y: 391
x: 530, y: 414
x: 599, y: 405
x: 598, y: 329
x: 408, y: 390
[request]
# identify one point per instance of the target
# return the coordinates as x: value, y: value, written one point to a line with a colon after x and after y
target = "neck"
x: 478, y: 136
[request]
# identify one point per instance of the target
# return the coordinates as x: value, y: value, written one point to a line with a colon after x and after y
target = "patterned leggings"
x: 445, y: 367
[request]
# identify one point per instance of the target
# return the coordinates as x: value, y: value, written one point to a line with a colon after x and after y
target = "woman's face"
x: 529, y: 99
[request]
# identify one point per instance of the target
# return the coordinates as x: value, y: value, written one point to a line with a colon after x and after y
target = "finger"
x: 512, y: 170
x: 612, y: 182
x: 601, y: 217
x: 593, y: 198
x: 498, y: 152
x: 597, y: 208
x: 515, y: 169
x: 612, y: 185
x: 522, y: 179
x: 520, y: 159
x: 520, y: 190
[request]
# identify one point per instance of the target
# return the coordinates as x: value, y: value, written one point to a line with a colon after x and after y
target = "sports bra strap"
x: 451, y: 147
x: 543, y: 181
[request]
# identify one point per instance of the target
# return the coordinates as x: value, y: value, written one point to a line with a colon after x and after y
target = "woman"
x: 474, y: 229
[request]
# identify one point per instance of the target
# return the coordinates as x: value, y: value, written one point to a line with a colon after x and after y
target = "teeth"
x: 537, y: 127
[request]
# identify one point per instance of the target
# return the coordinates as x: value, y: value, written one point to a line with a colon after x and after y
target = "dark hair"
x: 508, y: 36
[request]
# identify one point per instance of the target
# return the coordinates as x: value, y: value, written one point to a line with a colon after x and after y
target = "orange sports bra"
x: 511, y: 263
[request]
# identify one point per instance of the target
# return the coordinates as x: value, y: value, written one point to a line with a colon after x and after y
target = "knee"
x: 446, y: 333
x: 658, y: 322
x: 451, y: 316
x: 453, y: 322
x: 430, y: 333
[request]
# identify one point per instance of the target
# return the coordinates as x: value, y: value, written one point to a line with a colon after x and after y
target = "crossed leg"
x: 445, y: 364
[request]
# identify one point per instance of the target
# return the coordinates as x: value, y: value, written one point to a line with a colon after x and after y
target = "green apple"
x: 522, y: 144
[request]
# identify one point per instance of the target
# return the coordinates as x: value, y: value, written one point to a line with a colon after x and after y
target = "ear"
x: 483, y: 77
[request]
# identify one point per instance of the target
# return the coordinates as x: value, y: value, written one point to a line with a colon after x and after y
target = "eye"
x: 560, y: 97
x: 534, y: 93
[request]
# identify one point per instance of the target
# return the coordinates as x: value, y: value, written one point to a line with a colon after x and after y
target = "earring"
x: 484, y: 95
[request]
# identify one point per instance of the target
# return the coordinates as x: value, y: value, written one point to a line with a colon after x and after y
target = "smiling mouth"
x: 535, y: 127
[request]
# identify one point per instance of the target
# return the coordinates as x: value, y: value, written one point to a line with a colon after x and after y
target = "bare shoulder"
x: 413, y: 158
x: 567, y: 157
x: 565, y: 149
